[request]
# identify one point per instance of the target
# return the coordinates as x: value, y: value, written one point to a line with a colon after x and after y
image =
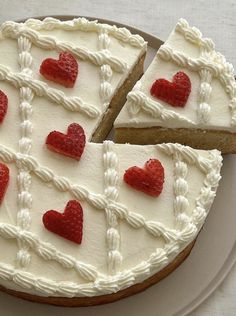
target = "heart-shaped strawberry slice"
x: 4, y: 180
x: 175, y: 93
x: 69, y: 224
x: 63, y: 71
x: 149, y: 180
x: 71, y: 145
x: 3, y: 105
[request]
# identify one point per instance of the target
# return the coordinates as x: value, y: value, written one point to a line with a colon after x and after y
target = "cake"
x: 187, y: 95
x: 85, y: 223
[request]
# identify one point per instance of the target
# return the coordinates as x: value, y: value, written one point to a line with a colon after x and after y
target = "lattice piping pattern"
x: 98, y: 283
x: 183, y: 235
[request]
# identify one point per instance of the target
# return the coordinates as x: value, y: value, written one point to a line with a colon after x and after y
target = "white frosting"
x: 212, y: 101
x: 127, y: 235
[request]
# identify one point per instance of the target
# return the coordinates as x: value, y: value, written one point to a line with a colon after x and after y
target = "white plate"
x: 208, y: 264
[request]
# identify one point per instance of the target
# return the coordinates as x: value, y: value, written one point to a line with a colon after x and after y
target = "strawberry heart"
x: 149, y: 180
x: 71, y: 145
x: 4, y: 180
x: 3, y: 105
x: 175, y: 93
x: 63, y: 71
x: 69, y: 224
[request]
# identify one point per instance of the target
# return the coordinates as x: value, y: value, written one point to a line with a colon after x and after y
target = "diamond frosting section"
x: 219, y: 101
x: 131, y: 241
x: 160, y: 208
x: 93, y: 247
x: 83, y: 82
x: 9, y: 53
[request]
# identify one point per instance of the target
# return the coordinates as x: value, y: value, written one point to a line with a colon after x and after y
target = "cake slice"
x: 104, y: 227
x: 187, y: 95
x: 105, y: 62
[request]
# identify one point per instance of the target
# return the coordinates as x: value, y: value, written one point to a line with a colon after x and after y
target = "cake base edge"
x: 224, y: 141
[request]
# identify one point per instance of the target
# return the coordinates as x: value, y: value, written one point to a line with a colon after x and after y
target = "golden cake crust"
x: 197, y: 138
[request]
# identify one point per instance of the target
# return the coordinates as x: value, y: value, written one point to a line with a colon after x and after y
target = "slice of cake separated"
x: 109, y: 62
x: 84, y: 223
x: 187, y: 95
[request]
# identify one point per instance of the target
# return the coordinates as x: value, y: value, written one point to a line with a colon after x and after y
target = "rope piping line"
x: 24, y: 144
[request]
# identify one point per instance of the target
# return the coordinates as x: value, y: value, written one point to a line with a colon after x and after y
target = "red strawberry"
x: 3, y: 105
x: 69, y: 224
x: 4, y: 180
x: 71, y: 145
x: 175, y: 93
x: 149, y: 180
x: 63, y: 71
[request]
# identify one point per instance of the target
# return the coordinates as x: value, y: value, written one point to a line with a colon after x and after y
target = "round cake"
x: 84, y: 220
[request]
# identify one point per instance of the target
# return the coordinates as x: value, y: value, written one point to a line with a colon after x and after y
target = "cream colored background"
x: 216, y: 18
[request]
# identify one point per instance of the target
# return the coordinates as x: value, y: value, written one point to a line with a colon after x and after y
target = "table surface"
x: 216, y: 19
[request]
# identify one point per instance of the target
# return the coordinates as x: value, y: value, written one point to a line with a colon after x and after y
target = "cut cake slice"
x: 161, y: 108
